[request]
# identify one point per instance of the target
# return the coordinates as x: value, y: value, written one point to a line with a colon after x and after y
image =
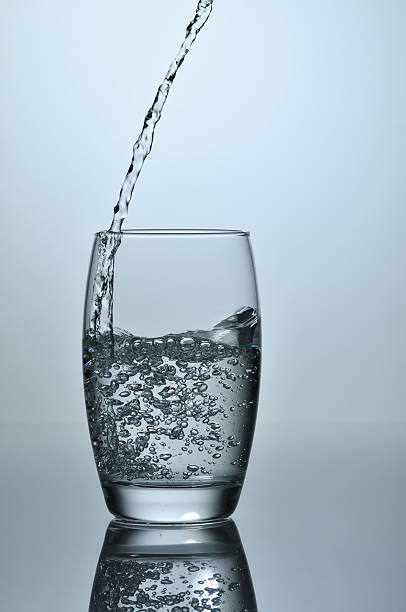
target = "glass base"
x: 171, y: 504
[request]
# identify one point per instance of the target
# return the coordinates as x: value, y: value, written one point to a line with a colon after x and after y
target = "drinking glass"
x: 171, y: 370
x: 177, y: 568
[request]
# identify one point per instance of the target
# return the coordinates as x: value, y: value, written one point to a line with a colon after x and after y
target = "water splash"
x: 143, y: 145
x: 101, y: 314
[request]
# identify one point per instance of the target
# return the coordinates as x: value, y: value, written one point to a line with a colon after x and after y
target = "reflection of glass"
x: 172, y: 569
x: 171, y: 383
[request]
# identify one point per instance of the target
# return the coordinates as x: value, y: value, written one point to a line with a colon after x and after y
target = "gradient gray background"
x: 287, y: 119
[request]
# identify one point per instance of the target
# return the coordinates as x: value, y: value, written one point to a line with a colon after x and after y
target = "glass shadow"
x: 195, y: 568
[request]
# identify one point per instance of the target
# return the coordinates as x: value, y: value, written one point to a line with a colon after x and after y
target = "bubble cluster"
x: 175, y: 408
x: 178, y: 585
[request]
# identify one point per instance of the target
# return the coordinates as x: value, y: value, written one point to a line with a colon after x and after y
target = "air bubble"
x: 187, y: 344
x: 193, y: 468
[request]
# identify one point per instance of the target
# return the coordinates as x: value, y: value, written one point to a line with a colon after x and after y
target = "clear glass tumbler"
x: 171, y: 370
x: 172, y: 568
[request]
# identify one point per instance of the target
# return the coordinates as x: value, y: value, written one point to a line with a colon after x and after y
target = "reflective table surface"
x: 321, y: 525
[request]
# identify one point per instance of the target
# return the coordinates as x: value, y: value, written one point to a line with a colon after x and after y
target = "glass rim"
x: 177, y: 232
